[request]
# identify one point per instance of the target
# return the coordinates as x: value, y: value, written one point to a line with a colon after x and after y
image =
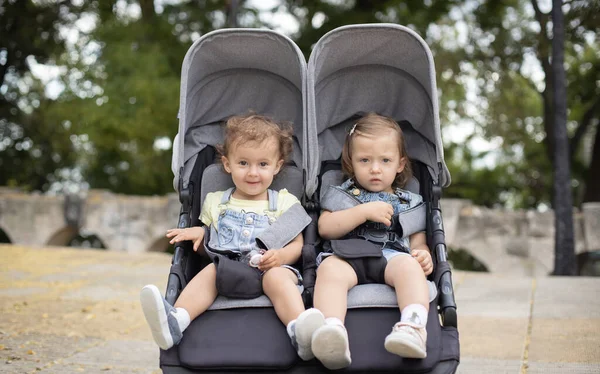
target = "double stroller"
x: 382, y: 68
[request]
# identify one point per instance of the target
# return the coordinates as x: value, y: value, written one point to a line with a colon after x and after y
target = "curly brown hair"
x: 375, y: 124
x: 255, y: 128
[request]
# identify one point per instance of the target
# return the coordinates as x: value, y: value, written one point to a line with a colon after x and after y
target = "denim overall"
x: 400, y: 200
x: 391, y: 243
x: 237, y: 231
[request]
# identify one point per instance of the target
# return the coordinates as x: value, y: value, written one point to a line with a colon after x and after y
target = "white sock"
x: 289, y: 327
x: 334, y: 321
x: 414, y: 313
x: 183, y: 318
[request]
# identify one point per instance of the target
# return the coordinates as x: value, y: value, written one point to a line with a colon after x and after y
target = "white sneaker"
x: 306, y: 324
x: 330, y: 346
x: 160, y: 317
x: 407, y: 340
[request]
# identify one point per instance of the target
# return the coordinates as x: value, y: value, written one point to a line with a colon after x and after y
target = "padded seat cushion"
x: 378, y: 296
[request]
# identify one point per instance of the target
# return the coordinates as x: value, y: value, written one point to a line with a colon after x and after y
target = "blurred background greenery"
x: 89, y: 90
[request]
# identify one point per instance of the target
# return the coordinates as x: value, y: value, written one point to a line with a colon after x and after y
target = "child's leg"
x: 404, y: 273
x: 280, y: 285
x: 409, y: 336
x: 166, y: 322
x: 330, y: 343
x: 200, y: 292
x: 334, y: 278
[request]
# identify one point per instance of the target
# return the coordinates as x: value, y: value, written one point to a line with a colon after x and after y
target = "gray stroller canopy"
x: 382, y: 68
x: 232, y: 71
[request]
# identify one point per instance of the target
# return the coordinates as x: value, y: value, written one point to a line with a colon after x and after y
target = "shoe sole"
x: 404, y: 349
x: 330, y: 346
x: 156, y: 316
x: 306, y: 325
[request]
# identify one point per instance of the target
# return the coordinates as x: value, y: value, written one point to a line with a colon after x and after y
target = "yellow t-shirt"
x: 211, y: 209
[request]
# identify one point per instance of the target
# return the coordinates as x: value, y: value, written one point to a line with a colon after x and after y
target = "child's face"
x: 252, y: 167
x: 376, y: 161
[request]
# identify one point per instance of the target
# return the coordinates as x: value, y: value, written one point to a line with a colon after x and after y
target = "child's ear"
x: 278, y: 167
x: 226, y: 164
x: 401, y: 166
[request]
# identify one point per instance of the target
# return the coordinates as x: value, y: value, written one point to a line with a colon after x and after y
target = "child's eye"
x: 243, y: 163
x: 264, y: 164
x: 387, y: 160
x: 364, y: 160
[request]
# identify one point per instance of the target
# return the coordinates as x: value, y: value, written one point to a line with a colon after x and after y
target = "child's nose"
x: 375, y: 167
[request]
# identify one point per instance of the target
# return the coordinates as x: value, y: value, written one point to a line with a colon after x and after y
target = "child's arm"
x: 334, y: 225
x: 420, y: 251
x: 285, y: 256
x: 195, y: 234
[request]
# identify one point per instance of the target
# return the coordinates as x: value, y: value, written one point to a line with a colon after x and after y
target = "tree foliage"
x: 112, y: 123
x: 506, y: 39
x: 34, y: 146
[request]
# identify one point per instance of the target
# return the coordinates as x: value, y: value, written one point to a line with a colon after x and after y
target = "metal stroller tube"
x: 447, y: 303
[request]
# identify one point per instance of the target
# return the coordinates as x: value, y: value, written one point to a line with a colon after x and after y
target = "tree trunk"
x: 592, y: 180
x: 232, y: 12
x: 564, y: 248
x: 148, y: 12
x: 543, y: 53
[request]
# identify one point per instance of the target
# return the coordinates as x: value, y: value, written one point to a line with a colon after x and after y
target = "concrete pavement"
x: 70, y: 310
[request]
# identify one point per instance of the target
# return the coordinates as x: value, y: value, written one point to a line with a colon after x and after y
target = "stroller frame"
x: 189, y: 167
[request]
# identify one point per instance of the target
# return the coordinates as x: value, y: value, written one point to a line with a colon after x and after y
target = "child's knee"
x: 276, y: 278
x: 330, y: 265
x: 403, y: 263
x: 335, y: 269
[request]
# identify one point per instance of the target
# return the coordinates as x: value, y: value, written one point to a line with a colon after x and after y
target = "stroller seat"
x: 225, y: 73
x: 383, y: 68
x: 387, y: 69
x: 373, y: 310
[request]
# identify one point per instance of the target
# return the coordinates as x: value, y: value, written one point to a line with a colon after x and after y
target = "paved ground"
x: 69, y: 311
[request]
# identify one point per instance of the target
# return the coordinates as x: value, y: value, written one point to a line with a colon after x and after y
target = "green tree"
x: 112, y: 123
x: 507, y: 37
x: 34, y: 147
x: 122, y: 93
x: 316, y: 18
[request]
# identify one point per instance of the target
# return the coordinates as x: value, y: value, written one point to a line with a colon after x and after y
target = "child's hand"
x: 424, y: 258
x: 378, y: 211
x: 195, y: 234
x: 270, y: 259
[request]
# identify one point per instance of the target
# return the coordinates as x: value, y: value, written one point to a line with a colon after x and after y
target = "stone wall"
x: 519, y: 242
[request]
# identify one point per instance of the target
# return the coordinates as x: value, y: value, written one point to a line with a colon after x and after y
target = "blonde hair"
x: 375, y: 124
x: 256, y: 128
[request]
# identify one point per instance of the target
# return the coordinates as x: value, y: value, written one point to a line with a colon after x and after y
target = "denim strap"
x: 227, y: 195
x: 272, y: 196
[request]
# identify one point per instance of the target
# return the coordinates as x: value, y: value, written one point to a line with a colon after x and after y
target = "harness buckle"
x: 391, y: 236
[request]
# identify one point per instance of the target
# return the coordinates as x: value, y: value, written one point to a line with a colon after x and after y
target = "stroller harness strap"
x: 404, y: 223
x: 282, y: 230
x: 240, y: 233
x: 289, y: 225
x: 362, y: 247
